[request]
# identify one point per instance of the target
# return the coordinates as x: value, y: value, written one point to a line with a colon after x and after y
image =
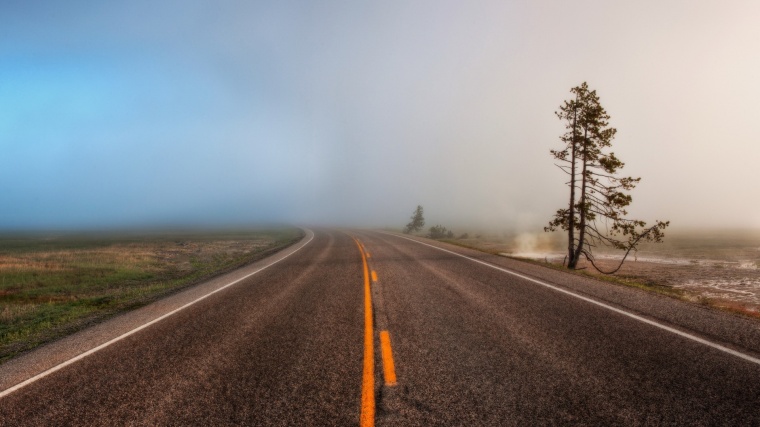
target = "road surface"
x: 353, y: 327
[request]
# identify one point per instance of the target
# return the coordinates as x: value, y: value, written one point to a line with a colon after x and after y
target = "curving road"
x: 362, y: 327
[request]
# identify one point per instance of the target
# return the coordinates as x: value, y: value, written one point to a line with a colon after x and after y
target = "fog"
x: 138, y: 113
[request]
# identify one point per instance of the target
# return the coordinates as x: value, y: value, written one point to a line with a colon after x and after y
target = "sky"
x: 351, y: 113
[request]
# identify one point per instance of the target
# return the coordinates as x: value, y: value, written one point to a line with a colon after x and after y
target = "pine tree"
x: 417, y: 221
x: 596, y: 211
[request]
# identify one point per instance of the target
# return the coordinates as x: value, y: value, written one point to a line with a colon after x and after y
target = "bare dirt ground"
x: 714, y: 267
x: 729, y: 284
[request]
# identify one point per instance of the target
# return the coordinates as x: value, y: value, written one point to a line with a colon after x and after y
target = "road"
x: 354, y: 327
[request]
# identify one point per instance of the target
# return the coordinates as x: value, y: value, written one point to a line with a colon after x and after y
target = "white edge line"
x: 139, y: 328
x: 600, y: 304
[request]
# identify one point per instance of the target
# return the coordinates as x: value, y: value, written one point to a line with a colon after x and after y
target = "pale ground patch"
x: 722, y: 266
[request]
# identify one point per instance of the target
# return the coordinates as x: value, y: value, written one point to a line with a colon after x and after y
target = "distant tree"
x: 595, y: 213
x: 417, y: 221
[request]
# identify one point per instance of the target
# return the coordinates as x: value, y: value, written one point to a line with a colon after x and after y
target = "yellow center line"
x: 374, y: 276
x: 368, y: 374
x: 389, y: 371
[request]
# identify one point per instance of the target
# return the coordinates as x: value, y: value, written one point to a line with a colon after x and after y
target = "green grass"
x: 53, y: 285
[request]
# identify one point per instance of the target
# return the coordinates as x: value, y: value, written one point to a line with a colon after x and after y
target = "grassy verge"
x: 634, y: 282
x: 630, y: 281
x: 51, y: 286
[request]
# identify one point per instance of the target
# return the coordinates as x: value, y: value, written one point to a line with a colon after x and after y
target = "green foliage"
x: 595, y: 214
x: 417, y: 221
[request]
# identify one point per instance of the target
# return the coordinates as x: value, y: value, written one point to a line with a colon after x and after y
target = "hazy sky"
x: 116, y: 113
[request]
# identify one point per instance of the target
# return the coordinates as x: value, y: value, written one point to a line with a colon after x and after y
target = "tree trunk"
x: 582, y: 205
x: 571, y: 220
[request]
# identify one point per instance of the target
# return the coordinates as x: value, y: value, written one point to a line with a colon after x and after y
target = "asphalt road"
x: 471, y: 343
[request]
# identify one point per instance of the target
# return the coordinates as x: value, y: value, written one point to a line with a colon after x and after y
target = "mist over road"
x: 310, y: 340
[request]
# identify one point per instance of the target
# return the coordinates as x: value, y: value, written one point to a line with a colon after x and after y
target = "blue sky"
x: 233, y: 112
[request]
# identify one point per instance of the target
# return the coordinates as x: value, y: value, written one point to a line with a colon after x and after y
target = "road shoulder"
x: 48, y: 356
x: 733, y: 331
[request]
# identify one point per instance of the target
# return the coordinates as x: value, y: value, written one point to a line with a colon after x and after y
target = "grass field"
x: 52, y: 285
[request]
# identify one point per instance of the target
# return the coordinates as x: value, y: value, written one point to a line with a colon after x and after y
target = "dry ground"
x: 714, y: 267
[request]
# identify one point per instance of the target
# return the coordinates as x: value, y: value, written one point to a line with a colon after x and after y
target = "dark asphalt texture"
x: 472, y: 346
x: 284, y: 347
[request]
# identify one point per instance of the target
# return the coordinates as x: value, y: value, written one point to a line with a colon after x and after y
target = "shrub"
x: 439, y: 232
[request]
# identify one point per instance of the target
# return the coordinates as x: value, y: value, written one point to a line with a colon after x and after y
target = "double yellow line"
x: 368, y: 374
x: 367, y: 418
